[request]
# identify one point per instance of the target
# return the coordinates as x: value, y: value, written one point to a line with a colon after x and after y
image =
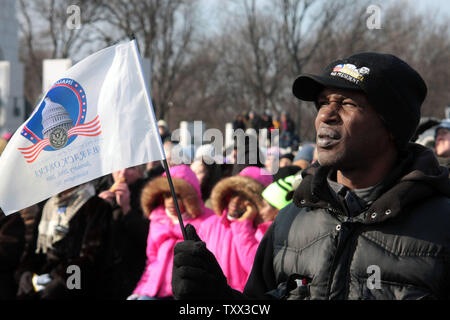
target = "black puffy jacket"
x: 398, y: 247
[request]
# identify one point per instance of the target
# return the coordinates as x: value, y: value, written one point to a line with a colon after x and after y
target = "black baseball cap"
x: 392, y: 87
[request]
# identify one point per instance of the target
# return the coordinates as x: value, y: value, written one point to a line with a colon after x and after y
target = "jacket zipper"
x: 333, y: 266
x: 357, y: 229
x: 351, y: 253
x: 339, y: 249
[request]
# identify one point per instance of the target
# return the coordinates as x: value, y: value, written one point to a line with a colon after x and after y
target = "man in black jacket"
x: 370, y: 220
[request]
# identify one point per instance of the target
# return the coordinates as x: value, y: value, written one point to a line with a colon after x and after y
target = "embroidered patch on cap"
x: 350, y: 72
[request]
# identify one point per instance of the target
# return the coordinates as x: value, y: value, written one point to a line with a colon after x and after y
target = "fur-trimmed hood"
x: 248, y: 187
x: 186, y: 186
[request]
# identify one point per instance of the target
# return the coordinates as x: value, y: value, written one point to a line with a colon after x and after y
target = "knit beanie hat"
x: 279, y: 193
x: 394, y: 89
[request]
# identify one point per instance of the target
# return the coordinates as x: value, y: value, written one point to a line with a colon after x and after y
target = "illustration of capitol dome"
x: 54, y: 116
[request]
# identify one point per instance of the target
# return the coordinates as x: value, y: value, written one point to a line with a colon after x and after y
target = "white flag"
x: 98, y: 118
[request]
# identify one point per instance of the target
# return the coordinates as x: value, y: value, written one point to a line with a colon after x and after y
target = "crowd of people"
x: 269, y: 121
x: 123, y: 231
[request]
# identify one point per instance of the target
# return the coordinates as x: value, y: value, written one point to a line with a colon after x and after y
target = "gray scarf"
x: 57, y: 213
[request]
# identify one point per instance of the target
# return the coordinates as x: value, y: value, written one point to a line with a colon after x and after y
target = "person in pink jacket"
x: 165, y: 232
x: 231, y: 234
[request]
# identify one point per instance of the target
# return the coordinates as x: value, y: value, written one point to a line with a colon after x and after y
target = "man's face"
x: 443, y: 142
x: 349, y: 131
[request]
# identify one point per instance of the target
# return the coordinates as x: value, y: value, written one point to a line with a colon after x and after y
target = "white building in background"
x: 12, y: 102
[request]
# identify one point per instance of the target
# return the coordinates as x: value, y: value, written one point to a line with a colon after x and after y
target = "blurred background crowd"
x: 120, y: 229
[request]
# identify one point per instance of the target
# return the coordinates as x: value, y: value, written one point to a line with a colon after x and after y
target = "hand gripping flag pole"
x: 166, y: 166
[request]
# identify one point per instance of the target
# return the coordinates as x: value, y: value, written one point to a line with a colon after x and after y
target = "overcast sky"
x: 212, y: 9
x: 442, y: 5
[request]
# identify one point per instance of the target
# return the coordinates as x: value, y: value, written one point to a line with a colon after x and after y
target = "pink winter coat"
x: 234, y: 244
x: 261, y: 230
x: 156, y: 281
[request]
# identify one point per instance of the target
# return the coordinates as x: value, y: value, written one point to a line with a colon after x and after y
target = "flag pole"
x: 166, y: 165
x: 174, y: 197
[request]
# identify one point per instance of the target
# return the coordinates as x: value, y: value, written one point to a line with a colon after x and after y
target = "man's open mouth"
x: 327, y: 137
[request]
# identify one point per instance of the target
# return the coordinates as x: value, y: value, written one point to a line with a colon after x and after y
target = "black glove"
x: 55, y: 290
x: 25, y: 290
x: 191, y: 234
x: 196, y: 273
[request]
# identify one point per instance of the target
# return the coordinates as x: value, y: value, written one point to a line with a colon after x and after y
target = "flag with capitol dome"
x: 96, y: 119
